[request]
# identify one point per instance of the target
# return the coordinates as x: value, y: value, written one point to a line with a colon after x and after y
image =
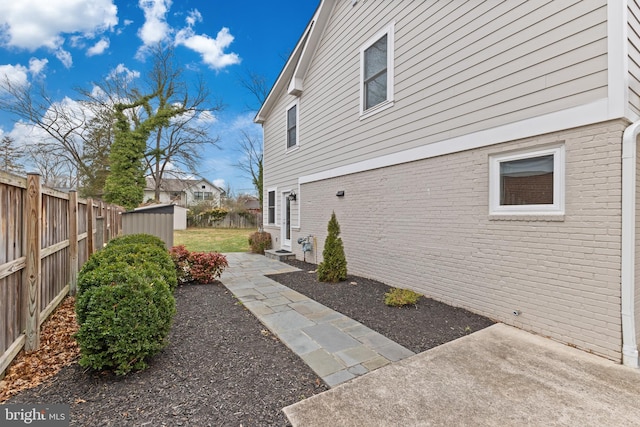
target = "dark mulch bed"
x: 221, y: 368
x: 427, y: 324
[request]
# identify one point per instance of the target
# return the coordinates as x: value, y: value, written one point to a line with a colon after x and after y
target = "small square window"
x: 527, y: 182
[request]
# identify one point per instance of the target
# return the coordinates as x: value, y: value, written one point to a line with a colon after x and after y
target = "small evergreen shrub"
x: 125, y: 322
x: 333, y: 268
x: 397, y: 297
x: 199, y: 267
x: 259, y: 242
x: 133, y: 254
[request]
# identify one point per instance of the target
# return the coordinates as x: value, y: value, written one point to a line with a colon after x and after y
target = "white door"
x: 285, y: 227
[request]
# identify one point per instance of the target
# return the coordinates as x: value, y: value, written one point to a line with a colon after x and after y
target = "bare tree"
x: 256, y: 85
x: 179, y: 143
x: 69, y: 126
x: 252, y: 147
x: 55, y: 171
x: 251, y: 162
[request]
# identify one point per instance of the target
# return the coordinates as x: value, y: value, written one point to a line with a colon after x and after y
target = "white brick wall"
x: 425, y: 225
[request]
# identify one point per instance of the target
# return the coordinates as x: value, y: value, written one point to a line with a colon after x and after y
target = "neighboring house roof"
x: 177, y: 185
x: 292, y: 75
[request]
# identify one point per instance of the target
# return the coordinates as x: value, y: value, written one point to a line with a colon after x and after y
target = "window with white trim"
x: 271, y: 207
x: 528, y: 182
x: 292, y: 125
x: 376, y: 72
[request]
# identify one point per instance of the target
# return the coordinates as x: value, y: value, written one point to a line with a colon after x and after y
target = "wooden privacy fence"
x: 45, y: 237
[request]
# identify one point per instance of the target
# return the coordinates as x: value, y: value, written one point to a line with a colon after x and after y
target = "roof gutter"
x: 629, y: 154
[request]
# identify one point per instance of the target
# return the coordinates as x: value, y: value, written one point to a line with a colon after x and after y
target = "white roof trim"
x: 292, y: 75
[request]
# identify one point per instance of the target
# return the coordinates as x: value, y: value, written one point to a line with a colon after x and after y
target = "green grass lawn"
x: 213, y: 239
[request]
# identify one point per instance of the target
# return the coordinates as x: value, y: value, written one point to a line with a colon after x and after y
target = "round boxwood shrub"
x: 132, y: 254
x: 125, y: 320
x: 109, y: 275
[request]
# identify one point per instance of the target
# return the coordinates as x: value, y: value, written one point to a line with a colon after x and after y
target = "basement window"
x: 529, y: 182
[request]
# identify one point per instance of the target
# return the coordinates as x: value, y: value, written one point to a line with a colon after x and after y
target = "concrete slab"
x: 499, y: 376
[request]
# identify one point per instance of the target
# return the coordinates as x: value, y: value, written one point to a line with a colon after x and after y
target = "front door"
x: 286, y: 221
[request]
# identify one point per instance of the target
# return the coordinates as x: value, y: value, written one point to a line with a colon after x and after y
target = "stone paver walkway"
x: 335, y: 346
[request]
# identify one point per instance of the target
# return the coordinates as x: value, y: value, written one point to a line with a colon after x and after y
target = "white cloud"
x: 123, y: 72
x: 220, y: 183
x: 36, y: 66
x: 64, y: 57
x: 211, y: 49
x: 18, y: 75
x: 206, y: 118
x: 15, y: 74
x: 155, y: 28
x: 99, y: 47
x: 31, y: 24
x: 193, y: 17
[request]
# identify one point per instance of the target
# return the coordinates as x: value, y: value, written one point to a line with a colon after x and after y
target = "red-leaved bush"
x: 199, y: 267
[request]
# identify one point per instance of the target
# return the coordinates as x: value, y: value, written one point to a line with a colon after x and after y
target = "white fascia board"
x: 293, y: 69
x: 317, y: 26
x: 583, y: 115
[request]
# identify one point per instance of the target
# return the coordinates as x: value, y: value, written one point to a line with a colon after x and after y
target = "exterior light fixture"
x: 292, y: 196
x: 340, y: 193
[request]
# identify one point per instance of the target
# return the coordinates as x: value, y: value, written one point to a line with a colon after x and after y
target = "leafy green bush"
x: 146, y: 239
x: 110, y: 275
x: 124, y: 322
x: 397, y: 297
x: 259, y: 242
x: 133, y: 254
x: 333, y: 267
x: 199, y: 267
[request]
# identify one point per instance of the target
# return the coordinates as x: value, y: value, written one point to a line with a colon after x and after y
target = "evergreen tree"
x: 333, y: 268
x: 10, y: 156
x: 125, y: 184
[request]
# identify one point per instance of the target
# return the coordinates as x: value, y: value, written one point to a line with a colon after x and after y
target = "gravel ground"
x: 223, y: 368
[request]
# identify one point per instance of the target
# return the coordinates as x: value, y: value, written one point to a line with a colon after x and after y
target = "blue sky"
x: 70, y: 43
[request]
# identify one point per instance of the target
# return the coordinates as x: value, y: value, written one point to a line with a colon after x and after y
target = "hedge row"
x: 125, y: 303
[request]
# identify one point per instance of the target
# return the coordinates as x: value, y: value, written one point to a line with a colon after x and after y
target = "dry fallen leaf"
x: 58, y: 348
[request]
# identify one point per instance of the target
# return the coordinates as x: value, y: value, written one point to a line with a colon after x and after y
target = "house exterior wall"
x: 633, y: 20
x: 436, y: 236
x: 202, y: 187
x: 460, y: 67
x: 637, y: 249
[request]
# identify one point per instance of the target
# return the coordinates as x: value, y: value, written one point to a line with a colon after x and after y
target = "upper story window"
x: 376, y: 72
x: 292, y: 125
x: 530, y: 182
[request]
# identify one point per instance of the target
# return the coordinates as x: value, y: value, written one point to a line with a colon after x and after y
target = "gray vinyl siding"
x: 460, y: 67
x: 634, y: 56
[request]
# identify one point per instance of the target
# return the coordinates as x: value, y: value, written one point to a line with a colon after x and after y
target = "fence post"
x: 33, y: 271
x: 90, y: 247
x: 100, y: 221
x: 73, y: 241
x: 105, y: 224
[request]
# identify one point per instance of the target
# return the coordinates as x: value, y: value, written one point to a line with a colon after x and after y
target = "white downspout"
x: 629, y: 344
